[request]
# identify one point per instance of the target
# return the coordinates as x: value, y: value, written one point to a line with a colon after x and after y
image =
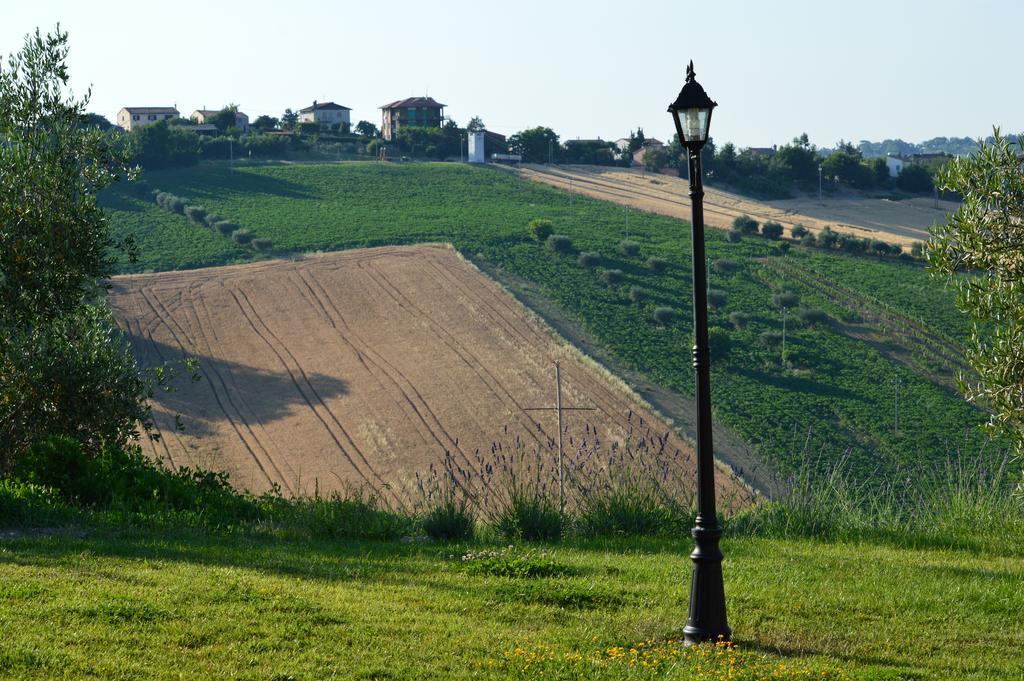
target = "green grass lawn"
x: 833, y: 398
x: 140, y: 604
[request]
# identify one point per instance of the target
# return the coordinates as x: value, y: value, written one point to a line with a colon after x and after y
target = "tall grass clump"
x: 444, y: 506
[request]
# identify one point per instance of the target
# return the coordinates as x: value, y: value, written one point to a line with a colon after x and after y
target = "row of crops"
x: 830, y: 396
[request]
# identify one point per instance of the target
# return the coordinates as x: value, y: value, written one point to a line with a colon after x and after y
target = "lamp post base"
x: 707, y: 620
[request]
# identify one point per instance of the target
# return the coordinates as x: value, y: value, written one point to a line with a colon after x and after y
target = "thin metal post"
x: 896, y: 405
x: 784, y: 311
x: 819, y: 184
x: 561, y: 467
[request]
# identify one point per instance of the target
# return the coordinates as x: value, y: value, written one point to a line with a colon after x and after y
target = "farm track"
x: 360, y: 368
x: 901, y: 222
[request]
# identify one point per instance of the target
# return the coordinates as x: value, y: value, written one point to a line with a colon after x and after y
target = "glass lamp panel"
x: 695, y: 123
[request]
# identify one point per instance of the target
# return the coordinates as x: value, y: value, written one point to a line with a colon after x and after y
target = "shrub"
x: 809, y: 239
x: 879, y: 247
x: 788, y: 299
x: 226, y: 228
x: 212, y: 219
x: 262, y: 244
x: 177, y: 204
x: 629, y: 248
x: 450, y: 519
x: 626, y: 509
x: 664, y: 315
x: 352, y: 515
x: 734, y: 236
x: 852, y: 244
x: 827, y: 238
x: 196, y: 214
x: 241, y: 236
x: 589, y: 259
x: 811, y: 316
x: 917, y: 249
x: 154, y: 194
x: 718, y: 341
x: 657, y: 264
x: 530, y: 517
x: 783, y: 248
x: 515, y: 563
x: 772, y: 230
x: 739, y: 319
x: 799, y: 231
x: 559, y: 243
x: 717, y: 298
x: 771, y: 338
x: 745, y: 224
x: 162, y: 199
x: 637, y: 294
x: 725, y: 266
x: 613, y: 276
x: 541, y: 229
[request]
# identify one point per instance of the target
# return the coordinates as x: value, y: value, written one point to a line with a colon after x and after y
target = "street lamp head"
x: 692, y: 112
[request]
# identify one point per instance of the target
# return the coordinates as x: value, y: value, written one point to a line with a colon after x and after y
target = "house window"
x: 152, y: 117
x: 135, y: 117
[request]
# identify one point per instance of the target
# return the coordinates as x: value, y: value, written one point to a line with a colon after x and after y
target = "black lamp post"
x: 707, y: 621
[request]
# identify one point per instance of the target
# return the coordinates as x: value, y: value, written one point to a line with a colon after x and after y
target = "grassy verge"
x: 136, y: 604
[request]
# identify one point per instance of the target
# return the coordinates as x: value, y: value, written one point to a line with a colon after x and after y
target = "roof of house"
x: 151, y: 109
x: 410, y: 102
x: 321, y: 106
x: 653, y: 141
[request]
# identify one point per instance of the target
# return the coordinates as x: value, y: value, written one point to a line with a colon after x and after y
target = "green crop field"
x: 833, y: 397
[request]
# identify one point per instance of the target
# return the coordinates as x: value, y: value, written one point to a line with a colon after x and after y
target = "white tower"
x: 476, y: 147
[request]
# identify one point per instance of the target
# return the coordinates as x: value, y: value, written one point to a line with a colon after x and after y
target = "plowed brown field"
x: 902, y: 222
x: 356, y: 367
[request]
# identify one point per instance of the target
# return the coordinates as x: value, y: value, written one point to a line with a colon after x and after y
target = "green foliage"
x: 917, y: 249
x: 717, y: 298
x: 657, y: 264
x: 262, y: 244
x: 613, y: 276
x: 827, y: 238
x: 734, y: 236
x: 212, y: 219
x: 739, y: 320
x: 196, y: 214
x: 541, y: 229
x: 915, y: 178
x: 638, y: 294
x: 799, y: 231
x: 159, y: 145
x: 265, y: 123
x: 444, y: 507
x: 846, y: 164
x: 789, y: 299
x: 725, y: 266
x: 664, y: 315
x: 980, y: 250
x: 516, y: 563
x: 559, y: 243
x: 812, y: 315
x: 630, y: 249
x: 745, y: 224
x: 529, y: 515
x: 226, y: 227
x: 771, y: 230
x: 535, y: 144
x: 27, y: 505
x: 366, y: 129
x: 656, y: 158
x: 241, y: 236
x: 589, y: 259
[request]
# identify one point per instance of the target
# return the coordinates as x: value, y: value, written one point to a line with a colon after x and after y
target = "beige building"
x: 326, y: 114
x: 132, y: 117
x: 201, y: 117
x: 421, y: 112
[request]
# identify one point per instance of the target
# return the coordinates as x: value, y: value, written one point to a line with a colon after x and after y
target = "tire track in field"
x: 462, y: 352
x: 197, y: 303
x: 253, y: 317
x: 213, y: 390
x: 582, y: 381
x: 366, y: 352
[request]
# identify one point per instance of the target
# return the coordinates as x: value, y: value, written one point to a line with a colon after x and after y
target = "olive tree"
x: 980, y: 249
x: 64, y: 367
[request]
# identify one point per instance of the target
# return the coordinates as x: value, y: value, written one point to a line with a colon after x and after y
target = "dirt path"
x: 901, y: 222
x: 360, y: 368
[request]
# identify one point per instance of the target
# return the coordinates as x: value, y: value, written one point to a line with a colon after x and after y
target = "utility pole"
x: 551, y: 151
x: 561, y: 429
x: 231, y: 153
x: 819, y: 183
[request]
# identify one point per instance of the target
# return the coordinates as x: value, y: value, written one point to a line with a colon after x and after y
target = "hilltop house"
x: 202, y: 116
x: 327, y: 114
x: 133, y: 117
x: 421, y: 112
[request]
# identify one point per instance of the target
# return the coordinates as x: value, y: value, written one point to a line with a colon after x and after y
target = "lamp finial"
x: 690, y: 75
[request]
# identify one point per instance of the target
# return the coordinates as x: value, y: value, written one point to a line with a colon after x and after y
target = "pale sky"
x: 837, y: 70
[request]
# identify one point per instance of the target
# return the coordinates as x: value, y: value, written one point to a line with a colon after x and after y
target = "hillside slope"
x: 833, y: 395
